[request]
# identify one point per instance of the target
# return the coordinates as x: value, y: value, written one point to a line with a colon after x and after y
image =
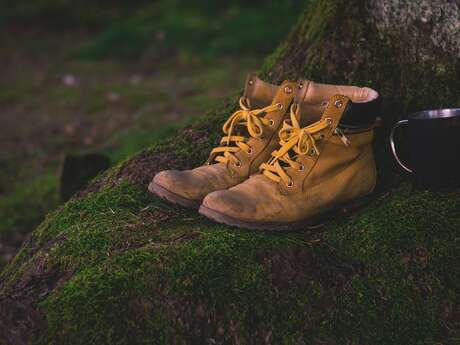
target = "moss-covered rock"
x: 118, y: 266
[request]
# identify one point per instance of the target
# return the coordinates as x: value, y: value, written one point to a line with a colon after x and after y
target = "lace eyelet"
x: 302, y: 167
x: 338, y: 103
x: 279, y: 105
x: 322, y: 136
x: 329, y: 121
x: 288, y: 89
x: 237, y: 164
x: 249, y: 151
x: 290, y: 184
x: 312, y: 152
x: 272, y: 122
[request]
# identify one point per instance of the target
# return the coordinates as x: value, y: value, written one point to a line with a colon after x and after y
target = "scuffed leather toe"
x: 165, y: 178
x: 178, y: 182
x: 168, y: 179
x: 191, y: 184
x: 230, y: 203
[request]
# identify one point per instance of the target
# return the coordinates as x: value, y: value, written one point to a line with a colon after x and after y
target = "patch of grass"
x: 25, y: 206
x: 58, y: 14
x: 232, y: 28
x: 10, y: 95
x: 63, y: 97
x: 135, y: 140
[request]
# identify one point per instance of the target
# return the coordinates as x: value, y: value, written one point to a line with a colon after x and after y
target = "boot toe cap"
x: 229, y: 203
x: 167, y: 179
x: 187, y: 184
x: 176, y: 182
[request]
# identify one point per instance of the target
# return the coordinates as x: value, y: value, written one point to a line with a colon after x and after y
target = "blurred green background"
x: 112, y: 77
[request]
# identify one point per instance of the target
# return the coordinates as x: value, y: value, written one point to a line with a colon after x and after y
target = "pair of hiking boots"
x: 292, y: 153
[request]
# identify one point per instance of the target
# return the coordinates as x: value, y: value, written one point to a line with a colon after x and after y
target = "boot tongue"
x: 313, y: 97
x: 311, y: 102
x: 259, y: 92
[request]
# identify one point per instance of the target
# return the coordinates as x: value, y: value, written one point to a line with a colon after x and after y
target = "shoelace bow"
x: 293, y: 140
x: 244, y: 117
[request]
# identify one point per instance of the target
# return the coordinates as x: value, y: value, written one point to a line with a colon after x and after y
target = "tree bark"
x: 115, y: 266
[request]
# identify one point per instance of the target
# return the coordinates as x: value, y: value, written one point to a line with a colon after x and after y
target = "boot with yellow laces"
x: 250, y: 135
x: 321, y: 166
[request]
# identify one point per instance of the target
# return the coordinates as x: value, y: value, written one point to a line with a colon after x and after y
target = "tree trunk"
x: 118, y: 266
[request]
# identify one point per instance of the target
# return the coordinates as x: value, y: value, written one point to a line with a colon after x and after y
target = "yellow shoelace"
x: 254, y: 123
x: 301, y: 141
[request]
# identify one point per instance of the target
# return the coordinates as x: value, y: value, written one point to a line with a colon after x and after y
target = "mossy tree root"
x: 118, y: 266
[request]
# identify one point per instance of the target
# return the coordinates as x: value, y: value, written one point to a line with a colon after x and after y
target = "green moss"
x: 144, y: 272
x: 407, y: 244
x: 186, y: 259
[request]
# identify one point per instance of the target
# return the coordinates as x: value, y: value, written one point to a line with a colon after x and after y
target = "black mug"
x: 434, y: 148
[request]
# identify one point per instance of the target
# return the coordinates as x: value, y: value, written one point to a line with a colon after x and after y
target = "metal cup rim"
x: 442, y: 113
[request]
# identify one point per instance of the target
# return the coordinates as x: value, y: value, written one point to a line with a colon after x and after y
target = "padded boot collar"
x: 361, y: 111
x: 361, y: 115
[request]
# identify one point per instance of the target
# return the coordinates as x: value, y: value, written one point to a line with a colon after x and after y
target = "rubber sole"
x: 173, y: 197
x: 305, y: 224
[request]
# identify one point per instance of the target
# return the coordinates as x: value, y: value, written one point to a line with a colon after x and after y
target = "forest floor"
x: 57, y: 104
x: 109, y: 91
x: 118, y: 265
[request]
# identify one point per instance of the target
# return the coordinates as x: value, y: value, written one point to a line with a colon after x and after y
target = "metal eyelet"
x: 249, y: 151
x: 280, y: 106
x: 237, y: 164
x: 338, y: 103
x: 312, y: 152
x: 300, y: 86
x: 272, y: 122
x: 329, y: 121
x: 290, y: 184
x: 288, y: 89
x: 250, y: 82
x: 302, y: 167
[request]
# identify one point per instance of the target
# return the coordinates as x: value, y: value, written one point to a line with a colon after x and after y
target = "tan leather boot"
x: 250, y: 135
x: 319, y: 168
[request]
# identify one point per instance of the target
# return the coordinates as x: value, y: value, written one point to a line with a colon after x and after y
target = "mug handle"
x: 393, y: 147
